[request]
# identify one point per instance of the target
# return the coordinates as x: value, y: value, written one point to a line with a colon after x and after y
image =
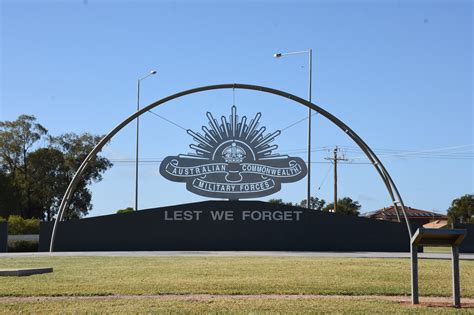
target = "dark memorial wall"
x: 227, y: 225
x: 3, y: 236
x: 467, y: 245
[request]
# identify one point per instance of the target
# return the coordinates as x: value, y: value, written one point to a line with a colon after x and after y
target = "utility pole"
x: 334, y: 159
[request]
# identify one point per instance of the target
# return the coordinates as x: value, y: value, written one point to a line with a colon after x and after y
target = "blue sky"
x: 398, y: 72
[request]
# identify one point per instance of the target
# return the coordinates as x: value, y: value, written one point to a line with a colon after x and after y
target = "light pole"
x: 138, y: 129
x: 310, y: 74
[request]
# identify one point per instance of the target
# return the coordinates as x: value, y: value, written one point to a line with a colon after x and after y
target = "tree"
x: 280, y: 202
x: 462, y: 209
x: 126, y: 210
x: 32, y: 182
x: 314, y: 203
x: 345, y: 206
x: 75, y: 148
x: 9, y: 198
x: 17, y: 138
x: 49, y: 179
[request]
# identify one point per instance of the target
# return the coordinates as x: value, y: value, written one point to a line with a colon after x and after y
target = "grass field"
x: 108, y: 276
x: 428, y: 249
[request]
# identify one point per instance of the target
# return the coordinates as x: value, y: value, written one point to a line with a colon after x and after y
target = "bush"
x: 126, y: 210
x: 22, y: 246
x: 18, y: 225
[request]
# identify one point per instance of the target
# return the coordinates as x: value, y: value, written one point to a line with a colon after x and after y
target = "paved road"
x: 241, y: 253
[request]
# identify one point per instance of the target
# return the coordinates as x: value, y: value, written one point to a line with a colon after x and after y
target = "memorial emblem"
x: 233, y: 160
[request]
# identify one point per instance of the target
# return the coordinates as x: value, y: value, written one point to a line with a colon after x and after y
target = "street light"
x: 310, y: 70
x: 138, y: 128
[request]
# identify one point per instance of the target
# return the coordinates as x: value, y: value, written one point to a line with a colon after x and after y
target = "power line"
x: 430, y: 153
x: 466, y: 154
x: 168, y: 120
x: 438, y: 153
x: 297, y: 122
x: 325, y: 177
x: 156, y: 161
x: 423, y: 154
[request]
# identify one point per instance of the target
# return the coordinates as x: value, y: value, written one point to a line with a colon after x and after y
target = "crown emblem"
x: 233, y: 154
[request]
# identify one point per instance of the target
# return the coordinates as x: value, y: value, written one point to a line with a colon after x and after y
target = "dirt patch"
x: 404, y: 300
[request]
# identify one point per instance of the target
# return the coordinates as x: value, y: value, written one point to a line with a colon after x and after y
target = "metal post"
x: 310, y: 79
x: 414, y: 274
x: 136, y: 149
x: 138, y: 130
x: 456, y: 290
x: 308, y: 203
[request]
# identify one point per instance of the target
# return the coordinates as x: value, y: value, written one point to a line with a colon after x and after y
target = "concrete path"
x: 24, y: 237
x: 239, y: 253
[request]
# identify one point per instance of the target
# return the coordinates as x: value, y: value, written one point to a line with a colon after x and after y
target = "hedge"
x: 22, y: 246
x: 17, y: 225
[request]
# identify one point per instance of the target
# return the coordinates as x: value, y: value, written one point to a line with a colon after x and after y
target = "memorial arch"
x: 377, y: 164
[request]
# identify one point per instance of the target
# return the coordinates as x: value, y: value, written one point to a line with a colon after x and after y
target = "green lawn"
x: 428, y: 249
x: 102, y: 276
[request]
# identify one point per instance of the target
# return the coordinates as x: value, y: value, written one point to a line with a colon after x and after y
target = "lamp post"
x: 138, y: 129
x: 310, y: 70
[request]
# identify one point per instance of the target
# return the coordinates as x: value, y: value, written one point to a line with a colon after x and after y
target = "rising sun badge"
x: 233, y: 160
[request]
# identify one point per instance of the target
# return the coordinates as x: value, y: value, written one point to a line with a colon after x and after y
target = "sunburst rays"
x: 232, y: 129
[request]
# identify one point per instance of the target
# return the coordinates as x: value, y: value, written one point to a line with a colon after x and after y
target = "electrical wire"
x: 168, y: 120
x: 156, y: 161
x: 325, y: 177
x: 297, y: 122
x: 386, y: 153
x: 444, y: 153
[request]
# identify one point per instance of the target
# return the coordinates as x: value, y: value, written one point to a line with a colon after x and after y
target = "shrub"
x: 22, y: 246
x: 18, y: 225
x: 126, y: 210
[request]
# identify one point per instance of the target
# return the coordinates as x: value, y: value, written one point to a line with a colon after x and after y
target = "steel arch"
x: 385, y: 176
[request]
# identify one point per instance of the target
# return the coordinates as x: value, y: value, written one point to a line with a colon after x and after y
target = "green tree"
x: 10, y: 201
x: 344, y: 206
x: 33, y: 180
x: 314, y: 203
x: 280, y: 202
x: 462, y: 209
x: 17, y: 138
x: 126, y: 210
x: 18, y: 225
x: 49, y: 176
x: 75, y: 148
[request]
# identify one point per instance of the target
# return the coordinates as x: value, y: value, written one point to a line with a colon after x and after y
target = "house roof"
x: 437, y: 224
x: 389, y: 213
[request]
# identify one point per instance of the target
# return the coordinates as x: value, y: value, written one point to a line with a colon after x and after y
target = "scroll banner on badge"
x: 288, y: 168
x: 239, y: 188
